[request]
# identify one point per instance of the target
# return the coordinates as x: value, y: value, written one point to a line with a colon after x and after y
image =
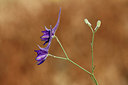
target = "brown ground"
x: 21, y: 23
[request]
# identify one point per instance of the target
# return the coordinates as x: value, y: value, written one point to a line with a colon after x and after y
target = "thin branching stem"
x: 92, y: 46
x: 67, y: 58
x: 70, y: 59
x: 79, y: 66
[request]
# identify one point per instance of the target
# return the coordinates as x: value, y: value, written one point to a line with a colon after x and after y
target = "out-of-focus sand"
x: 21, y: 23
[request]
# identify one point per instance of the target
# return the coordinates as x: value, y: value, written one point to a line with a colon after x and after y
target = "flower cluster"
x: 42, y: 53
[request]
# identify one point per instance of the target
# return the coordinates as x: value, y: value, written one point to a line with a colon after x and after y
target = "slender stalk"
x: 61, y: 47
x: 67, y: 58
x: 79, y: 66
x: 92, y: 43
x: 95, y: 80
x: 57, y: 57
x: 91, y: 29
x: 70, y: 59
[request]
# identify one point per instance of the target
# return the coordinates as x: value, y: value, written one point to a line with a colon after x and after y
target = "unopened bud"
x: 98, y: 25
x: 87, y: 22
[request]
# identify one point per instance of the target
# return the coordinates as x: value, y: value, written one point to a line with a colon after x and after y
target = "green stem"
x: 95, y: 80
x: 92, y: 44
x: 91, y: 29
x: 67, y: 58
x: 70, y: 59
x: 57, y: 57
x: 79, y: 66
x: 61, y: 46
x: 92, y: 51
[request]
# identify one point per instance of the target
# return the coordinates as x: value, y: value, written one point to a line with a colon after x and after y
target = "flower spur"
x: 46, y: 34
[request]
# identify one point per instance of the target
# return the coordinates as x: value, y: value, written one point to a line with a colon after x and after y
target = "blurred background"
x: 21, y: 23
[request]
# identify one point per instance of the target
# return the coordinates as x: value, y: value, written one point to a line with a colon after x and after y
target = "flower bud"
x: 98, y: 25
x: 87, y: 22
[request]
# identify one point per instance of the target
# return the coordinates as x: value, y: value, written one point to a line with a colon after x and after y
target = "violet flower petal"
x: 42, y: 54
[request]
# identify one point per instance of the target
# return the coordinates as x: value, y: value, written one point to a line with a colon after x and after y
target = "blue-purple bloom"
x: 46, y: 34
x: 42, y: 54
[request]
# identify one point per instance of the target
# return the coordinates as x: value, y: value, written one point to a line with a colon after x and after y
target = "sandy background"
x: 21, y: 23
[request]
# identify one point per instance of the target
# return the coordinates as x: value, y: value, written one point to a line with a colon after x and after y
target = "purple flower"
x: 46, y: 34
x: 42, y: 54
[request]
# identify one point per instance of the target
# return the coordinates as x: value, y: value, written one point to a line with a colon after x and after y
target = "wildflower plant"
x: 49, y: 34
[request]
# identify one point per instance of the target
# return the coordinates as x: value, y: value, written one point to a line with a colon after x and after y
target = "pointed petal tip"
x: 59, y: 12
x: 60, y: 9
x: 39, y: 46
x: 50, y: 27
x: 46, y: 28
